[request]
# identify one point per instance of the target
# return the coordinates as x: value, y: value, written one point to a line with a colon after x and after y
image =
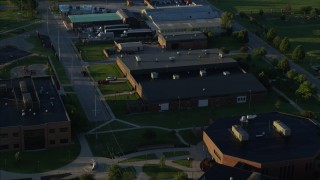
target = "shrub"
x: 224, y: 50
x: 244, y: 49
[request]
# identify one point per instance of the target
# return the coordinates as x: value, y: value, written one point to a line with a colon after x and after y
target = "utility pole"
x: 59, y: 44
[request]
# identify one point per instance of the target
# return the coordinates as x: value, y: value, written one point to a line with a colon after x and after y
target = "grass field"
x: 106, y: 145
x: 5, y: 71
x: 175, y: 153
x: 140, y: 158
x: 100, y: 72
x: 184, y: 162
x: 157, y: 172
x: 92, y: 52
x: 190, y: 137
x: 118, y: 103
x: 114, y: 125
x: 300, y: 31
x: 38, y: 161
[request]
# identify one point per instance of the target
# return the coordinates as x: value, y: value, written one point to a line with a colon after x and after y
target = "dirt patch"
x: 30, y: 70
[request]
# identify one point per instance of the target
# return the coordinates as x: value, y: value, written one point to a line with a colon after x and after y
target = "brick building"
x: 32, y: 115
x: 187, y: 79
x: 268, y: 149
x: 183, y: 40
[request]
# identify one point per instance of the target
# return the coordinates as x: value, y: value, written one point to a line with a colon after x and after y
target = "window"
x: 4, y: 147
x: 64, y: 129
x: 4, y: 135
x: 15, y: 134
x: 64, y: 141
x: 52, y: 142
x: 16, y: 146
x: 51, y: 130
x: 241, y: 99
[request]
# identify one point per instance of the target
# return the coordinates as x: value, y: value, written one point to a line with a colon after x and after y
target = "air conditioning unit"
x: 203, y: 73
x: 175, y: 76
x: 172, y: 58
x: 226, y: 73
x: 154, y: 75
x: 138, y: 59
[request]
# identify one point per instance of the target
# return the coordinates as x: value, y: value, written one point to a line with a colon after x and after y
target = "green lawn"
x: 157, y: 172
x: 68, y: 88
x: 100, y: 72
x: 92, y: 52
x: 124, y: 142
x: 299, y: 30
x: 5, y: 71
x: 140, y: 158
x: 118, y: 103
x: 38, y: 161
x: 184, y: 162
x: 190, y: 137
x: 114, y: 125
x: 225, y: 41
x: 175, y: 153
x: 114, y: 88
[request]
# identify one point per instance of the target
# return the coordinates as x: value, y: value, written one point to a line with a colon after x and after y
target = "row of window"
x: 61, y: 130
x: 5, y: 147
x: 6, y: 135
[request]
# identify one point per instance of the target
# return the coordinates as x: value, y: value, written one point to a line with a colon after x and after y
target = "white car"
x: 111, y: 78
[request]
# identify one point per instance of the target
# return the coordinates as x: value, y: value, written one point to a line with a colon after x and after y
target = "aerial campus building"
x: 183, y: 18
x: 172, y: 80
x: 32, y: 115
x: 274, y: 144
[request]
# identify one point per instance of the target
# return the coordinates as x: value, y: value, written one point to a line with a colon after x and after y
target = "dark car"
x: 104, y: 81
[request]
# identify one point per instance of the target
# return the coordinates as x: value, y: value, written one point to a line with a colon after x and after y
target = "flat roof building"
x: 94, y: 19
x: 183, y: 40
x: 32, y: 115
x: 267, y: 151
x: 183, y: 18
x: 188, y: 79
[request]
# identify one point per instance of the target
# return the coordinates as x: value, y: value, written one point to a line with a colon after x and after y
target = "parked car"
x: 104, y: 81
x: 111, y: 78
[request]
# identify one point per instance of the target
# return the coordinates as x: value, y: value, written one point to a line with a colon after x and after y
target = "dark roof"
x: 304, y: 141
x: 10, y: 115
x: 180, y: 36
x: 197, y: 87
x: 219, y: 172
x: 125, y: 13
x: 160, y: 60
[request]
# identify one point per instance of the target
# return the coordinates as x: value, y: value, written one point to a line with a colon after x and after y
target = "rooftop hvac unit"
x: 27, y: 100
x: 175, y: 76
x: 240, y: 133
x: 203, y: 73
x: 154, y: 75
x: 225, y: 73
x: 244, y: 119
x: 178, y: 53
x: 282, y: 128
x: 138, y: 59
x: 172, y: 58
x: 23, y: 86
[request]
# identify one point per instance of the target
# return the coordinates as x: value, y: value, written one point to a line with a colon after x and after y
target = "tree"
x: 301, y: 78
x: 298, y: 53
x: 242, y: 36
x: 308, y: 114
x: 181, y: 176
x: 162, y: 161
x: 226, y: 20
x: 314, y: 13
x: 271, y: 34
x: 31, y: 6
x: 287, y: 9
x: 261, y: 12
x: 306, y: 90
x: 292, y: 74
x: 259, y: 51
x: 114, y: 172
x: 277, y: 41
x: 128, y: 175
x: 284, y: 65
x: 284, y: 45
x: 17, y: 156
x: 305, y: 9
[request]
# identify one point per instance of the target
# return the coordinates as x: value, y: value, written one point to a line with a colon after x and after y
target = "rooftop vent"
x: 240, y: 133
x: 225, y: 73
x: 178, y: 53
x: 138, y: 59
x: 203, y: 73
x: 154, y: 75
x: 23, y: 86
x: 157, y: 60
x: 282, y: 128
x: 175, y: 76
x: 172, y: 58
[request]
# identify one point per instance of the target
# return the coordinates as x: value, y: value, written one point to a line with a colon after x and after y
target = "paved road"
x: 89, y: 98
